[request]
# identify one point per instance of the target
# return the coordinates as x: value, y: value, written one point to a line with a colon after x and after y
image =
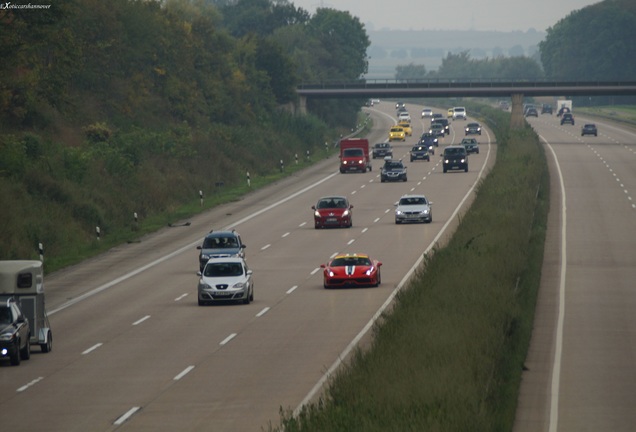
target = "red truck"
x: 354, y: 155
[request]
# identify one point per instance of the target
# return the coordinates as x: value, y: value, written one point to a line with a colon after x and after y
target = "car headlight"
x: 463, y: 160
x: 204, y: 286
x: 368, y: 272
x: 316, y: 214
x: 425, y: 212
x: 345, y: 213
x: 239, y: 285
x: 445, y: 160
x: 6, y: 337
x: 331, y: 274
x: 205, y: 256
x: 398, y: 212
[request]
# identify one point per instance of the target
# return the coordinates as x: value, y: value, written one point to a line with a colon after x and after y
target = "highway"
x: 580, y: 369
x: 133, y: 351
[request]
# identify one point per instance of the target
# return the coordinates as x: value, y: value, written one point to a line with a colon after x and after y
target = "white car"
x: 404, y: 116
x: 427, y: 112
x: 459, y: 113
x: 413, y: 208
x: 225, y: 280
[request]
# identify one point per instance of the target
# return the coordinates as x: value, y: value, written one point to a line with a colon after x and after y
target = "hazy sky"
x: 501, y: 15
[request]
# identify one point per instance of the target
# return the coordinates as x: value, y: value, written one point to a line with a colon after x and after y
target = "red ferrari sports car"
x: 352, y: 270
x: 333, y: 211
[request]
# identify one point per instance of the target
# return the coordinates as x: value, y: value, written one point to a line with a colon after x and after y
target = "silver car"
x: 224, y: 280
x: 413, y: 208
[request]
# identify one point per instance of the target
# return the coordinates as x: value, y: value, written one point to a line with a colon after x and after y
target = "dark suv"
x: 393, y: 170
x: 455, y: 157
x: 220, y: 244
x: 567, y: 118
x: 15, y: 333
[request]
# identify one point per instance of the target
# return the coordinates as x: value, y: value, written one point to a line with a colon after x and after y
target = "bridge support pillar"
x: 517, y: 120
x: 302, y: 105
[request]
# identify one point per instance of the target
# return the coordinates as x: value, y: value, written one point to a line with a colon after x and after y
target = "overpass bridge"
x: 516, y: 90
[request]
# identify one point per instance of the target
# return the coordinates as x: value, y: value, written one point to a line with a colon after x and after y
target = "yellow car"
x: 451, y: 111
x: 397, y: 133
x: 408, y: 130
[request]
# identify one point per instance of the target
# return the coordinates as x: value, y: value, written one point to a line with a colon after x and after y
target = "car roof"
x: 232, y: 259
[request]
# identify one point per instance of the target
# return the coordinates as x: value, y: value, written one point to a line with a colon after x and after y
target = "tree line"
x: 110, y: 108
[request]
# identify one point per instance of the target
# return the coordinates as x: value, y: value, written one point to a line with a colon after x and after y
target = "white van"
x: 459, y: 113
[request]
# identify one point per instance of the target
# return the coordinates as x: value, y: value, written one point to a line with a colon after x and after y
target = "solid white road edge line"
x: 558, y: 348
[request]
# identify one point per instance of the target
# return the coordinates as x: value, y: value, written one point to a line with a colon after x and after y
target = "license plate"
x: 222, y: 294
x: 332, y: 219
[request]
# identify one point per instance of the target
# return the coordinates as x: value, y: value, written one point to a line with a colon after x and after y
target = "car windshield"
x: 332, y: 203
x: 397, y: 129
x: 413, y: 201
x: 353, y: 152
x: 220, y: 243
x: 393, y: 165
x: 5, y: 316
x: 350, y: 261
x: 223, y: 269
x: 453, y: 151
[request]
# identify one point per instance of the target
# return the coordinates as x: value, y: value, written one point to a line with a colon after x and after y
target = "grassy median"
x: 449, y: 355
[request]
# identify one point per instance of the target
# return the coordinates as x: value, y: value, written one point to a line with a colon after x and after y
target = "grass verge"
x: 449, y: 355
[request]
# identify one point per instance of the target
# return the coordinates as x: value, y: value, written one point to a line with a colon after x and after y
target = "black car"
x: 420, y: 152
x: 393, y: 170
x: 589, y: 129
x: 15, y: 333
x: 220, y: 244
x: 546, y: 109
x: 567, y: 118
x: 471, y: 145
x: 443, y: 122
x: 382, y: 150
x: 473, y: 129
x: 429, y: 138
x: 455, y: 157
x: 532, y: 112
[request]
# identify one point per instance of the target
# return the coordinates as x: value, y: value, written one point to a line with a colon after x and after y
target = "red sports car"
x: 352, y: 270
x: 333, y: 211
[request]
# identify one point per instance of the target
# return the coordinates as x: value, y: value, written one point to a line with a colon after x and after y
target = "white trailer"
x: 23, y: 280
x: 563, y: 105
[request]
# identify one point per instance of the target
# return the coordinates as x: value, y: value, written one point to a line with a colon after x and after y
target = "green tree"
x: 410, y: 72
x: 593, y: 43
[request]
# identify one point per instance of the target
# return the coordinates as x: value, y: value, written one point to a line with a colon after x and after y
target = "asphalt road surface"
x: 581, y: 366
x: 133, y: 350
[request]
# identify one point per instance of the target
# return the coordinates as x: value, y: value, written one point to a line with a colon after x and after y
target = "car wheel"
x: 252, y: 294
x: 246, y: 300
x: 48, y: 345
x: 201, y: 302
x: 25, y: 353
x: 466, y: 169
x: 404, y: 179
x: 15, y: 354
x: 378, y: 280
x: 397, y: 222
x: 445, y: 170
